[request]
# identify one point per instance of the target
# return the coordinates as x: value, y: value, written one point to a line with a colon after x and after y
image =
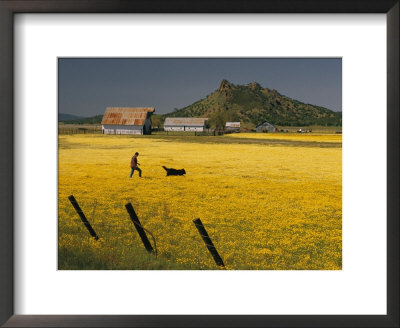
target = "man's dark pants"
x: 137, y: 169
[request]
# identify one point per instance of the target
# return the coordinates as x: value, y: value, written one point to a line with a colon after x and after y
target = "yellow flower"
x: 265, y: 205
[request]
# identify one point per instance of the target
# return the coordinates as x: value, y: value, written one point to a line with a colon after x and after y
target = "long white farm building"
x: 196, y: 124
x: 127, y: 120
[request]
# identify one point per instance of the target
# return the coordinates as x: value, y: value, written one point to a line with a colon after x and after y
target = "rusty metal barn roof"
x: 185, y: 121
x: 126, y: 115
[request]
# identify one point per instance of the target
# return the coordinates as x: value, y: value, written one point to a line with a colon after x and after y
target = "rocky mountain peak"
x: 254, y: 86
x: 253, y: 104
x: 224, y: 86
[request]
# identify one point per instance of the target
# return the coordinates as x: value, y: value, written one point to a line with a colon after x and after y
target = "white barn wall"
x: 188, y: 124
x: 194, y: 128
x: 122, y: 129
x: 184, y: 128
x: 174, y: 128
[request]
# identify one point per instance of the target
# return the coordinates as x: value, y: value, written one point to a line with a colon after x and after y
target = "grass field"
x: 268, y: 201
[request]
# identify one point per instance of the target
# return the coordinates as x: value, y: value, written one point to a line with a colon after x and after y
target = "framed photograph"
x: 203, y: 164
x: 238, y: 138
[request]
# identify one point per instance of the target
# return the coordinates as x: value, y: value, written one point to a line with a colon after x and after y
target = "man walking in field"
x: 134, y: 165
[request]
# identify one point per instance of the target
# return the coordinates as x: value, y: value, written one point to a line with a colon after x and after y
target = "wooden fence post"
x: 83, y: 217
x: 207, y: 240
x: 139, y: 228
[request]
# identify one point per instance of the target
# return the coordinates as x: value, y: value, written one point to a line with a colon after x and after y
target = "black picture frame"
x: 10, y: 7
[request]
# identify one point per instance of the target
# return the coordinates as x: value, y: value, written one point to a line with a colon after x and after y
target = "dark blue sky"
x: 88, y: 86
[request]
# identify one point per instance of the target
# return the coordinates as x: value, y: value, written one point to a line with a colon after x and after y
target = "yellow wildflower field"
x: 267, y: 206
x: 305, y: 137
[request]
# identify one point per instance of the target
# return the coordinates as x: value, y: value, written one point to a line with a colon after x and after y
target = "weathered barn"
x: 127, y: 120
x: 196, y: 124
x: 232, y: 126
x: 265, y: 127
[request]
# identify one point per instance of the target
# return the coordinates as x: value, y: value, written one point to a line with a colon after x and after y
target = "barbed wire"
x: 151, y: 234
x: 95, y: 203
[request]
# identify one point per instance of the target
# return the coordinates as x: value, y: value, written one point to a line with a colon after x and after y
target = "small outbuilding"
x: 195, y: 124
x: 127, y: 120
x: 232, y: 126
x: 266, y: 127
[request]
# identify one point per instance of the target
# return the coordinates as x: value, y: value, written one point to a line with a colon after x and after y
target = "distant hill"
x: 253, y: 104
x: 65, y: 117
x: 83, y: 120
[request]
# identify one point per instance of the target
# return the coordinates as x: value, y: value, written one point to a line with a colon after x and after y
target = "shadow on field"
x: 64, y: 144
x: 269, y: 142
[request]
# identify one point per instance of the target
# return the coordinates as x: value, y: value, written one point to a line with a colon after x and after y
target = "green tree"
x: 157, y: 121
x: 218, y: 120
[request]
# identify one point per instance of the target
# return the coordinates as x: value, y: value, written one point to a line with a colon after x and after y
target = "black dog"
x: 174, y: 171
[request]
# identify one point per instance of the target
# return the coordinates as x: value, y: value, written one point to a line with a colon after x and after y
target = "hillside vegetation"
x: 249, y: 104
x: 254, y: 105
x: 83, y: 120
x: 67, y: 117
